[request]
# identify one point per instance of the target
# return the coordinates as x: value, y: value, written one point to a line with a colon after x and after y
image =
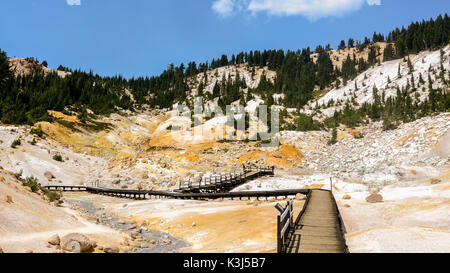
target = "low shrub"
x: 15, y: 143
x: 58, y: 157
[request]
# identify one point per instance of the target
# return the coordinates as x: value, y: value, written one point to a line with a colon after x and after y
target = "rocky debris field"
x: 413, y: 150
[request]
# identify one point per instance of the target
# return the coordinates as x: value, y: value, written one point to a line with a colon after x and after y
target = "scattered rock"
x: 54, y: 240
x: 9, y: 199
x: 49, y: 175
x: 133, y: 235
x: 300, y: 196
x: 194, y: 224
x: 435, y: 181
x: 374, y: 198
x: 76, y: 242
x: 277, y: 155
x: 111, y: 249
x: 1, y: 250
x: 346, y: 197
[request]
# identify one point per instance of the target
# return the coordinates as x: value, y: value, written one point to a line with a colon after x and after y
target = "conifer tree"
x: 410, y: 66
x: 5, y: 72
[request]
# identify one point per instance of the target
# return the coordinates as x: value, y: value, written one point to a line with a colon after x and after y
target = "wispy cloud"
x: 73, y: 2
x: 312, y: 9
x: 374, y: 2
x: 223, y: 7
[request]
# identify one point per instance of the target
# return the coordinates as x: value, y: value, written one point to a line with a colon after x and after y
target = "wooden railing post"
x: 331, y: 184
x: 279, y: 243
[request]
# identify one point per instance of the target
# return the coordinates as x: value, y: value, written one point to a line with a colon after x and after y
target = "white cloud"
x: 73, y: 2
x: 228, y: 7
x: 223, y: 7
x: 313, y: 9
x: 374, y: 2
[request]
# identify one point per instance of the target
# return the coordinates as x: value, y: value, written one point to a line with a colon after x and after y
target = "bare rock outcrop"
x: 76, y: 242
x: 9, y: 199
x: 374, y: 198
x: 54, y: 240
x: 49, y: 175
x: 111, y: 249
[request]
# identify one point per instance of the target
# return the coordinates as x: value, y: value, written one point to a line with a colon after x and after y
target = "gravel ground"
x: 146, y: 241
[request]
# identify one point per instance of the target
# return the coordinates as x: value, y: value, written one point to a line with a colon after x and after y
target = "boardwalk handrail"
x: 285, y: 222
x: 341, y: 226
x: 137, y: 194
x: 224, y: 181
x: 305, y: 220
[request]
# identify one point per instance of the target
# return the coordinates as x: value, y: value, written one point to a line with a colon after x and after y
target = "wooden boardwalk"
x: 319, y: 227
x: 224, y: 182
x: 212, y: 187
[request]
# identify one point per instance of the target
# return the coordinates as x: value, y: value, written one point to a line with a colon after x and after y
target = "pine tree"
x: 351, y: 43
x: 410, y: 66
x: 5, y: 72
x: 413, y: 84
x: 421, y: 81
x: 333, y: 139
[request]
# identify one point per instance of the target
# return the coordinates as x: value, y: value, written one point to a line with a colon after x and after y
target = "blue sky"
x: 141, y: 37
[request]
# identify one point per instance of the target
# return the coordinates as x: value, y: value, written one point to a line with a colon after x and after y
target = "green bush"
x: 34, y: 185
x: 37, y: 131
x: 58, y: 157
x: 52, y: 195
x: 31, y: 182
x: 15, y: 143
x: 18, y: 175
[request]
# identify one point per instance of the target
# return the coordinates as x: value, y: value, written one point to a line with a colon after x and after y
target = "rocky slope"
x: 386, y: 78
x: 27, y: 66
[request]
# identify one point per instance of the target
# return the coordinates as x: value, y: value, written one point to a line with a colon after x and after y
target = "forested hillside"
x: 25, y: 98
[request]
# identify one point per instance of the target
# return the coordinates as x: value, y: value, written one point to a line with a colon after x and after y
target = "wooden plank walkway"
x: 224, y: 182
x: 133, y: 194
x: 319, y: 228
